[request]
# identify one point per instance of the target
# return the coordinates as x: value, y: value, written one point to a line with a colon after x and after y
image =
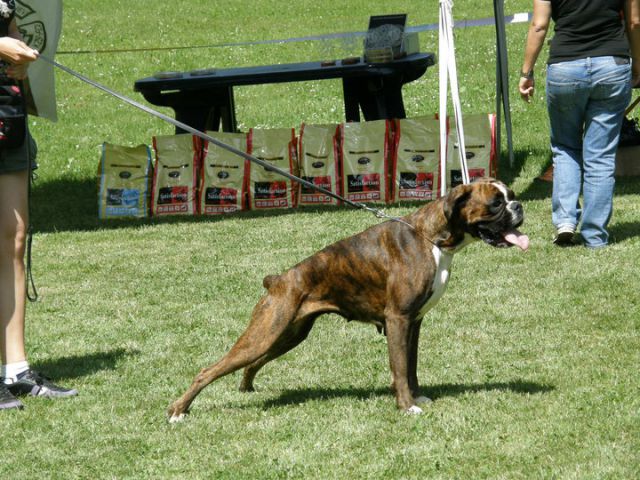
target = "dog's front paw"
x: 414, y: 410
x: 175, y: 414
x: 176, y: 418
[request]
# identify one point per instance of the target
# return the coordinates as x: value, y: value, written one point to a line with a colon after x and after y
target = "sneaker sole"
x: 564, y: 239
x: 16, y: 405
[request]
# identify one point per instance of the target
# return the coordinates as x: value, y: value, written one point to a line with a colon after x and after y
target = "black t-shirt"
x: 587, y: 28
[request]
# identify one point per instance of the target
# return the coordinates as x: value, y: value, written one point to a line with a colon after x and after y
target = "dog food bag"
x: 415, y: 169
x: 267, y: 188
x: 480, y: 145
x: 125, y: 175
x: 223, y: 179
x: 175, y: 176
x: 318, y: 164
x: 365, y: 157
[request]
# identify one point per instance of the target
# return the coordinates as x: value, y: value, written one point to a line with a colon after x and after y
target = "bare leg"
x: 13, y: 230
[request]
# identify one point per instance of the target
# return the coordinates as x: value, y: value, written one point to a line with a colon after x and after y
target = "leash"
x: 32, y: 292
x: 377, y: 212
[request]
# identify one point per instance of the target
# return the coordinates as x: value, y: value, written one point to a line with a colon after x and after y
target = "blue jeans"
x: 586, y: 100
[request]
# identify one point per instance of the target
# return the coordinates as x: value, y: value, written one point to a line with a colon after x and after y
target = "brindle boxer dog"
x: 388, y: 275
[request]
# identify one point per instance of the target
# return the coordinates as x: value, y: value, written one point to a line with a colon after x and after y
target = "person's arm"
x: 17, y: 53
x: 535, y: 40
x: 632, y: 13
x: 632, y: 24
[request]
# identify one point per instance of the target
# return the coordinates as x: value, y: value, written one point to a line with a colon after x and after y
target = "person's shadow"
x: 76, y: 366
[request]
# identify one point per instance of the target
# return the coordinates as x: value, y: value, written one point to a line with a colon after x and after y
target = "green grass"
x: 531, y: 358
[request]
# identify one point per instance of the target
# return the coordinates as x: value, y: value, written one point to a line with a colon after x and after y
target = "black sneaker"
x: 36, y: 385
x: 7, y: 400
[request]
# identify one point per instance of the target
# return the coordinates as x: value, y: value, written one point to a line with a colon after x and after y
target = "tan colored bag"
x: 318, y: 163
x: 175, y: 176
x: 267, y: 188
x: 364, y: 151
x: 480, y: 145
x: 223, y: 182
x: 415, y: 173
x: 125, y: 175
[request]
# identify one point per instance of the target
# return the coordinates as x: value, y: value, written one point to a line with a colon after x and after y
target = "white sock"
x: 9, y: 372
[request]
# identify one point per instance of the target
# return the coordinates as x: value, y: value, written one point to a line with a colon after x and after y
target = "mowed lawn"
x: 531, y: 358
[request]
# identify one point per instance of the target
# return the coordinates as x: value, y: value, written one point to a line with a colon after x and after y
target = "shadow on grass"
x: 291, y: 397
x: 82, y: 365
x: 624, y: 231
x: 65, y: 205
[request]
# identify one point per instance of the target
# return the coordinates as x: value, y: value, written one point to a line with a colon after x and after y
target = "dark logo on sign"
x: 317, y: 164
x: 470, y: 155
x: 33, y: 33
x: 417, y: 158
x: 223, y: 175
x: 364, y: 160
x: 174, y: 174
x: 125, y: 175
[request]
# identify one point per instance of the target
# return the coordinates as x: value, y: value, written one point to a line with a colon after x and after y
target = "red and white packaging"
x: 175, y: 174
x: 318, y: 163
x: 364, y: 152
x: 267, y: 188
x: 480, y: 147
x: 415, y: 168
x: 224, y: 175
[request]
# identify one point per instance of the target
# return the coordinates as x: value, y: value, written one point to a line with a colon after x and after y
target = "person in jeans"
x: 589, y: 81
x: 16, y: 376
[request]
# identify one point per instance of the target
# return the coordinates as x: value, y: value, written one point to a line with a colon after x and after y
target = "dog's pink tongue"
x: 519, y: 239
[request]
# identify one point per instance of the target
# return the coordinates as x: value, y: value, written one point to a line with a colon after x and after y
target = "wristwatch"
x: 528, y: 75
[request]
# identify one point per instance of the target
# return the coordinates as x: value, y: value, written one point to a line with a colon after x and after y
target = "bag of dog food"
x: 365, y: 157
x: 125, y: 175
x: 318, y: 164
x: 480, y: 145
x: 267, y: 188
x: 175, y: 176
x: 415, y: 169
x: 223, y: 179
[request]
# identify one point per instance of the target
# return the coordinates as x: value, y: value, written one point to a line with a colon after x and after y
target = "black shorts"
x: 17, y: 159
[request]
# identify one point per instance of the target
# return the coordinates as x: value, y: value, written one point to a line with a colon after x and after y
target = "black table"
x: 204, y: 99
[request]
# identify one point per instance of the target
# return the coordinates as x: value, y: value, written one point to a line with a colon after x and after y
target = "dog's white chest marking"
x: 443, y: 267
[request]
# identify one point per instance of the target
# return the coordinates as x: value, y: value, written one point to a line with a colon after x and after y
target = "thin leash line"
x: 32, y: 291
x: 377, y: 212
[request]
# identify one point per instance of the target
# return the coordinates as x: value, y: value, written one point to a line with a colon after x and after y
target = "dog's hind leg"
x: 267, y: 325
x: 295, y: 334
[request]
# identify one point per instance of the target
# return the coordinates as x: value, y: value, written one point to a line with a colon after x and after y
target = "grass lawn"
x: 531, y: 358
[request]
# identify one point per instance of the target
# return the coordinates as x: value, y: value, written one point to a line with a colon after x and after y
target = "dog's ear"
x: 455, y: 200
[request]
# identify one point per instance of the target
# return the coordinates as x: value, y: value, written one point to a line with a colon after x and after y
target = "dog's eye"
x: 497, y: 203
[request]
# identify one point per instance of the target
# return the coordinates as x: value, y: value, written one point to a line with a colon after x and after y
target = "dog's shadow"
x: 435, y: 392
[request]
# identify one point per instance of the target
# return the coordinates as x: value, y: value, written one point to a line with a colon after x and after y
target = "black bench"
x: 204, y: 99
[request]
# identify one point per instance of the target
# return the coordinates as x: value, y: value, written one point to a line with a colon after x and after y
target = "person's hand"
x: 526, y: 88
x: 16, y: 52
x: 635, y: 77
